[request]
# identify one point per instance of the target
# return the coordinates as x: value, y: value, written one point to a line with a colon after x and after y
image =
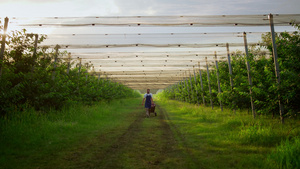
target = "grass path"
x: 146, y: 143
x: 137, y: 142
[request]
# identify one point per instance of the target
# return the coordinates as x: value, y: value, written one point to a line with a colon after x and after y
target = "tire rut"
x: 114, y: 149
x: 145, y: 146
x: 145, y: 143
x: 181, y: 137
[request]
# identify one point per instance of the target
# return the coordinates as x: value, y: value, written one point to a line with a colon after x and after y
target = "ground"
x: 146, y: 143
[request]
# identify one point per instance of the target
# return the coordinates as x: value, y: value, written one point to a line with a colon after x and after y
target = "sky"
x: 68, y: 8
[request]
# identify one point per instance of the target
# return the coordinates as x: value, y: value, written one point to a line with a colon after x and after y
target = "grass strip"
x: 35, y: 140
x: 225, y: 139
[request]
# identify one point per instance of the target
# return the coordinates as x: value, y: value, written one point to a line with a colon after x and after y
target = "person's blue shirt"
x: 148, y: 100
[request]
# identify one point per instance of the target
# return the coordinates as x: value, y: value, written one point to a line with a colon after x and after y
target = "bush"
x: 32, y: 80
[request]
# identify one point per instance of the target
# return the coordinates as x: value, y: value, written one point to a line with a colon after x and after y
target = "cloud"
x: 171, y: 7
x: 29, y: 1
x: 50, y: 8
x: 206, y: 7
x: 38, y: 8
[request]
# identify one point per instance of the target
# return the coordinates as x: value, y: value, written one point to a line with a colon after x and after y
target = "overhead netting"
x: 152, y: 51
x: 131, y: 21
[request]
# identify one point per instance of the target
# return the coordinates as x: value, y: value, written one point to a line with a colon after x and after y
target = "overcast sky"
x: 34, y: 8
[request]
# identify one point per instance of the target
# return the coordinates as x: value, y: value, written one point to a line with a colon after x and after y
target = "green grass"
x: 117, y: 135
x: 226, y: 140
x: 148, y: 143
x: 286, y: 154
x: 31, y: 139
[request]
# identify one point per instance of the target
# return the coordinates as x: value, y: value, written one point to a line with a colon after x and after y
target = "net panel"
x: 151, y: 51
x: 140, y: 21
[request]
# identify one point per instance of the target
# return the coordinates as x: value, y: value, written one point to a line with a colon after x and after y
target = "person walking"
x: 148, y: 100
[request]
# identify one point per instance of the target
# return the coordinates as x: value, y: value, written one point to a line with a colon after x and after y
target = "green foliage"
x: 31, y: 77
x: 265, y: 90
x: 288, y: 50
x: 286, y: 154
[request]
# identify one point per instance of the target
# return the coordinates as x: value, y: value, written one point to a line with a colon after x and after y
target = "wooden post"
x: 181, y: 91
x: 249, y: 75
x: 3, y: 45
x: 201, y: 82
x: 196, y: 86
x: 188, y: 88
x: 277, y: 70
x: 192, y: 96
x: 93, y: 69
x: 69, y: 64
x: 98, y: 81
x: 79, y: 68
x: 185, y: 86
x: 87, y: 71
x: 34, y: 50
x: 178, y: 90
x: 208, y: 81
x: 230, y: 73
x: 35, y: 45
x: 55, y: 60
x: 219, y: 86
x: 107, y: 79
x: 229, y: 65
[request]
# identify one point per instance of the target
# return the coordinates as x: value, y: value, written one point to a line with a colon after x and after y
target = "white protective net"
x: 152, y: 51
